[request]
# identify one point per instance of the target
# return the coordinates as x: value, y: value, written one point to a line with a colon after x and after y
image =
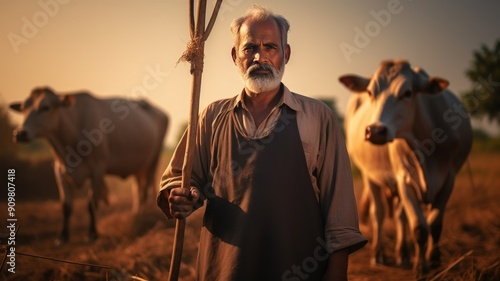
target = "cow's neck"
x: 64, y: 137
x: 422, y: 128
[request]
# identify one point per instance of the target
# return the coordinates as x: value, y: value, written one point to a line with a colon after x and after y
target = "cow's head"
x: 392, y: 94
x: 40, y: 113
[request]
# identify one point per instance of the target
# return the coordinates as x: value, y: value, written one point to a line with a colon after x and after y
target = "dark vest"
x: 262, y: 220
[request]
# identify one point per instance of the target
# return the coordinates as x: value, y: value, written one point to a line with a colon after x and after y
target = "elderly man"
x: 273, y: 169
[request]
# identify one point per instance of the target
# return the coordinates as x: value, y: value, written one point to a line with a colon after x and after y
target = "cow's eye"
x: 407, y: 94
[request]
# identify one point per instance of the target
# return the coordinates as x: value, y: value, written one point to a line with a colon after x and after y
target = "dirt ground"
x: 138, y: 247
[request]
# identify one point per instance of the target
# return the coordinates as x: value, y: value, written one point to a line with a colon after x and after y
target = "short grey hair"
x: 259, y: 13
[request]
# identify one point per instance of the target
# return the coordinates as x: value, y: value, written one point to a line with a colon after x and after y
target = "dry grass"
x: 139, y: 247
x: 472, y: 223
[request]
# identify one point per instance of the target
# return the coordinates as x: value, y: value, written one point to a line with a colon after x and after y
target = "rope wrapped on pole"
x: 194, y: 54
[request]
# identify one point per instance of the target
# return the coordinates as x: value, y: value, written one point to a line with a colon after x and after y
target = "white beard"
x: 258, y: 83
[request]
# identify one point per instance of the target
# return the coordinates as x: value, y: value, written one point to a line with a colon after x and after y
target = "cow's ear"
x: 435, y: 85
x: 16, y: 106
x: 354, y: 83
x: 67, y: 100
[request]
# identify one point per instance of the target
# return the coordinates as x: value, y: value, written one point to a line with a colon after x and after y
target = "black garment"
x: 262, y: 220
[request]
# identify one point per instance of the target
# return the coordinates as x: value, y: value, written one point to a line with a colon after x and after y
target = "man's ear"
x: 233, y: 54
x: 288, y: 52
x: 67, y: 100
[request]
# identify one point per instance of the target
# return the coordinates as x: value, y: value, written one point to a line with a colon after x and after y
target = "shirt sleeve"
x: 337, y: 199
x: 172, y: 176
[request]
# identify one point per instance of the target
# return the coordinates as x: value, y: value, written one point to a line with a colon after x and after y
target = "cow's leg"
x: 401, y: 250
x: 144, y: 182
x: 417, y: 223
x: 364, y: 204
x: 98, y: 192
x: 66, y: 198
x: 435, y: 221
x: 92, y: 208
x: 139, y: 191
x: 377, y: 216
x: 136, y: 202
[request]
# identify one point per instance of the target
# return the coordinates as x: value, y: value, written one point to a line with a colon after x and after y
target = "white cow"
x: 91, y: 137
x: 409, y: 137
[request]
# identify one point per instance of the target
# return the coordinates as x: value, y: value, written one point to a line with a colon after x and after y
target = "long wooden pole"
x: 194, y: 55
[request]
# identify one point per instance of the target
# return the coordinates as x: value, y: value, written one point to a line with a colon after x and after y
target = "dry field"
x: 139, y: 247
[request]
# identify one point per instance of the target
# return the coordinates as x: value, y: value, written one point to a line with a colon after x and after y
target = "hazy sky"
x: 130, y: 48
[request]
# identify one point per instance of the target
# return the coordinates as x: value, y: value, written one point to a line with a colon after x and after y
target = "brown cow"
x: 91, y: 137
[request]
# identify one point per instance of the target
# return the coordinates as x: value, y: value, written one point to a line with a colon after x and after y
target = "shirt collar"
x: 287, y: 98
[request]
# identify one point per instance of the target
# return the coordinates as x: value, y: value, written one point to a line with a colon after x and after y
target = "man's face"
x: 260, y: 55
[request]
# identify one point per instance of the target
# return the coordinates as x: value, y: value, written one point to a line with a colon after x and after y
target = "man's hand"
x: 181, y: 201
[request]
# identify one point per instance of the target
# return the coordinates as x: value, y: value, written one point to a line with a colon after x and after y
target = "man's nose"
x: 256, y: 58
x: 260, y: 58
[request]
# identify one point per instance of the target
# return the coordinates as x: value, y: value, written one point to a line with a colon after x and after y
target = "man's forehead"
x: 258, y: 29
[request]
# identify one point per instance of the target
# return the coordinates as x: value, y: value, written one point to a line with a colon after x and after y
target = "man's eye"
x: 248, y: 48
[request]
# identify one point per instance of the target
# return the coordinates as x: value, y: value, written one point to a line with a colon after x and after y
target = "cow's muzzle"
x: 21, y: 136
x: 376, y: 134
